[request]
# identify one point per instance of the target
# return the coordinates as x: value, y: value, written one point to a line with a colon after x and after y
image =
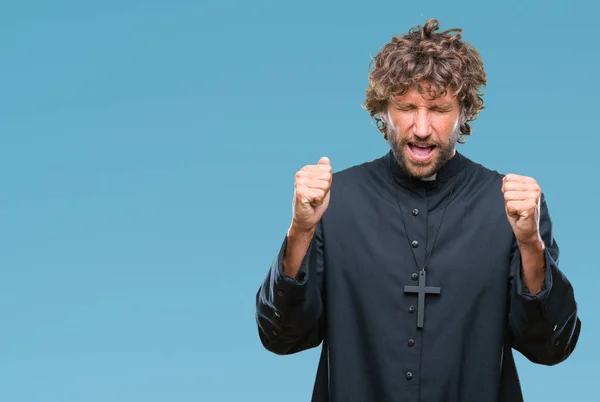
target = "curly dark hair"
x: 443, y: 60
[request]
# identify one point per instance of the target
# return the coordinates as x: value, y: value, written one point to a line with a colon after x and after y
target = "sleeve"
x: 289, y: 311
x: 546, y: 325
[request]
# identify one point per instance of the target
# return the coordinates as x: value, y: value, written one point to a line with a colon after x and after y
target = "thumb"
x: 324, y: 161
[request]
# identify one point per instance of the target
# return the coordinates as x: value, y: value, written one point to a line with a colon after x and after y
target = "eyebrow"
x: 442, y: 106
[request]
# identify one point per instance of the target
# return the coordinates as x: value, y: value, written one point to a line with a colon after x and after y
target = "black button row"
x: 411, y: 309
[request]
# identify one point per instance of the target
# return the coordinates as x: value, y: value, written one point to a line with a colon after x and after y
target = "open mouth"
x: 421, y: 153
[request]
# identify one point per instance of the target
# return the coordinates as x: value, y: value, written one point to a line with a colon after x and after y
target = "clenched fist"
x: 522, y: 197
x: 311, y: 195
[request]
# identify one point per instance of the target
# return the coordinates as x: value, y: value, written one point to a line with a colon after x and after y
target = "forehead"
x: 414, y: 96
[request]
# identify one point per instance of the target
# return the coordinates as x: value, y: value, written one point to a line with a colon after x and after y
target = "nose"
x: 422, y: 124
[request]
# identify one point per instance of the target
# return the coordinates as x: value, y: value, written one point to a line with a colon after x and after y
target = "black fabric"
x: 350, y: 296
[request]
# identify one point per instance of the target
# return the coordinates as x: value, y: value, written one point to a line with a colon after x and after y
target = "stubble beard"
x: 421, y: 170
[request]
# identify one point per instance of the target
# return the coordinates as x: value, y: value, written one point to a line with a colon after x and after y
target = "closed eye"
x: 439, y: 108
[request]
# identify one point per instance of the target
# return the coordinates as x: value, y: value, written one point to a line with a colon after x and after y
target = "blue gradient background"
x: 147, y: 153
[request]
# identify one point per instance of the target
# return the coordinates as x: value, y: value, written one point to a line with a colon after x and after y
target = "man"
x: 420, y: 271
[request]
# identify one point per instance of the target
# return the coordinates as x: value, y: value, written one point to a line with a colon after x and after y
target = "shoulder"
x: 359, y: 188
x: 362, y: 173
x: 482, y: 176
x: 481, y: 189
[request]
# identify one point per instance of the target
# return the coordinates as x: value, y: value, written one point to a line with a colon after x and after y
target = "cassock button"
x: 415, y: 243
x: 274, y: 332
x: 411, y: 342
x: 414, y: 276
x: 409, y: 375
x: 277, y: 314
x: 554, y: 329
x: 415, y: 212
x: 411, y: 309
x: 280, y: 292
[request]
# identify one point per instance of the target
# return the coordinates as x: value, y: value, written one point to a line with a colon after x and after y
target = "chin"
x: 421, y: 168
x: 421, y: 172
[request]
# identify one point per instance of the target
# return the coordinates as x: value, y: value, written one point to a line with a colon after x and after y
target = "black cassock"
x: 357, y: 292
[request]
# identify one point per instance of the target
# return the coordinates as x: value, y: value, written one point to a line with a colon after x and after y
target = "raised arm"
x: 289, y: 303
x: 543, y: 311
x: 289, y: 310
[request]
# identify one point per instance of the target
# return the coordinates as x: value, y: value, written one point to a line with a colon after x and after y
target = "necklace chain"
x: 404, y: 224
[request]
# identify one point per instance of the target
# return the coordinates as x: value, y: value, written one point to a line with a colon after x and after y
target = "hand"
x: 522, y: 197
x: 311, y: 195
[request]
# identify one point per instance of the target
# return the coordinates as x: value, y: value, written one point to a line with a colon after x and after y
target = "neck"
x: 430, y: 178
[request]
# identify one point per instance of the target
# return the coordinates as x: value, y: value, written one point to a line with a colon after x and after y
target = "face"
x: 422, y: 132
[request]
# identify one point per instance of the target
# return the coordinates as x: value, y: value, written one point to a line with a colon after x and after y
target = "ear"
x: 382, y: 121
